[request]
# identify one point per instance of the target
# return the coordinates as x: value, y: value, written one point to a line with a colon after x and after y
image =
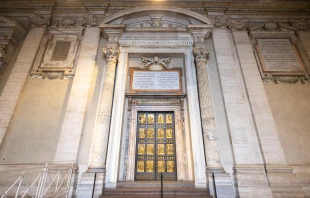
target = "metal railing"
x: 51, y: 180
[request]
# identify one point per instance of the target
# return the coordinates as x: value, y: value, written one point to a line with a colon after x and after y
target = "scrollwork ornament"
x: 271, y: 26
x: 220, y: 21
x: 289, y: 79
x: 238, y: 24
x: 111, y: 53
x: 201, y: 54
x: 90, y: 20
x: 301, y: 24
x: 38, y: 20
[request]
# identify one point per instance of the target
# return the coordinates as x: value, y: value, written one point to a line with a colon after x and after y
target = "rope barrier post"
x: 161, y: 186
x: 92, y: 195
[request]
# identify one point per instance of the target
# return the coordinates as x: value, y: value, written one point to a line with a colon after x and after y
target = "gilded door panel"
x: 155, y: 149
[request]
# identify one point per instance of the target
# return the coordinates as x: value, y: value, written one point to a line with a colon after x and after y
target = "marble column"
x: 101, y: 134
x: 15, y: 83
x: 207, y: 112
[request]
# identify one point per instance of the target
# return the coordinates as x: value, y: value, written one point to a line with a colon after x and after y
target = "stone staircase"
x: 152, y: 190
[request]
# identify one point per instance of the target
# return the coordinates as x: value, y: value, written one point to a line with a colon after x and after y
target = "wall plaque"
x: 57, y: 54
x: 281, y: 57
x: 155, y: 81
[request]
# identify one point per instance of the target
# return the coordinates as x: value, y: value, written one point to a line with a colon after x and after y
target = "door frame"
x: 179, y: 142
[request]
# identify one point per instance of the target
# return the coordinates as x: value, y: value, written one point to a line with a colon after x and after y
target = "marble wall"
x: 290, y: 109
x: 32, y: 136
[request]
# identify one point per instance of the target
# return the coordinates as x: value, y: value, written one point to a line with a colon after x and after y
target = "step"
x: 152, y: 190
x: 156, y: 184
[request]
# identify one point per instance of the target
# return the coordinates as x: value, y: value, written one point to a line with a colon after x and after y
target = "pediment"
x: 11, y: 29
x: 156, y: 17
x: 4, y: 21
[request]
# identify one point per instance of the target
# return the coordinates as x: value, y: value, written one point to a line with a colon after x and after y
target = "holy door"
x: 155, y: 149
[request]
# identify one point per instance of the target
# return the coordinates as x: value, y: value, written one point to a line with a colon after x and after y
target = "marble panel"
x: 69, y: 140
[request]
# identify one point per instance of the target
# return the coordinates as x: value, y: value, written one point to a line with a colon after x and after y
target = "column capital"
x: 201, y: 54
x: 199, y: 33
x: 113, y: 32
x: 111, y: 53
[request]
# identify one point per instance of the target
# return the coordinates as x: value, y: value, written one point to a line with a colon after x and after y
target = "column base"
x: 95, y: 169
x: 214, y: 169
x: 86, y: 186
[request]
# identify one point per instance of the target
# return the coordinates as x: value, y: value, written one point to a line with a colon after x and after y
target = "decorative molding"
x: 156, y: 64
x: 226, y: 9
x: 113, y: 32
x: 221, y: 21
x: 288, y: 79
x: 52, y: 76
x: 48, y: 64
x: 96, y: 6
x: 156, y: 39
x: 238, y: 24
x: 271, y: 26
x: 176, y: 10
x: 68, y: 22
x: 156, y: 42
x: 301, y: 24
x: 201, y: 54
x: 39, y: 20
x: 111, y: 53
x: 91, y: 20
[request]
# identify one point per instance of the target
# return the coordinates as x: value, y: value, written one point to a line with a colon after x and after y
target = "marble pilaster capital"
x: 111, y: 54
x: 201, y: 54
x: 200, y: 32
x: 113, y: 31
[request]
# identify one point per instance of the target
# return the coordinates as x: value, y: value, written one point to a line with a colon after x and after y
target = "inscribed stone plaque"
x: 152, y: 81
x: 279, y: 55
x: 61, y: 51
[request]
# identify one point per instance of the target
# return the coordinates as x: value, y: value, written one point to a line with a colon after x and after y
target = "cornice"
x: 209, y: 7
x: 258, y: 8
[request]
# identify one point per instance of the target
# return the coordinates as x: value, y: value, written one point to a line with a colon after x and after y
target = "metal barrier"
x: 51, y: 180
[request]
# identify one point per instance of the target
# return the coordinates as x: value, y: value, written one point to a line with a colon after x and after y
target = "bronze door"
x: 155, y: 146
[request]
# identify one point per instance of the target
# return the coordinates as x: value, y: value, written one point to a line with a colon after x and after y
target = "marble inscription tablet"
x: 279, y: 55
x: 155, y: 81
